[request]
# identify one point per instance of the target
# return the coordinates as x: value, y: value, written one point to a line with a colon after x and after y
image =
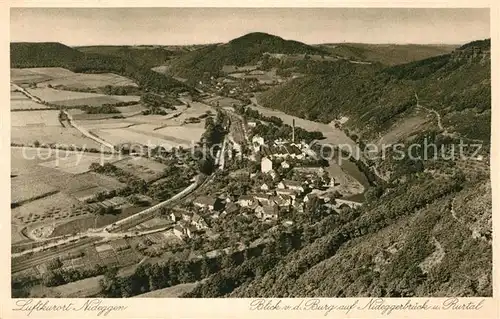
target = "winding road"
x: 439, y: 122
x: 28, y: 94
x: 82, y: 130
x: 85, y: 132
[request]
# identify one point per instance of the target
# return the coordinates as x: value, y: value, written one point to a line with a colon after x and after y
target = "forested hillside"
x: 31, y: 55
x: 405, y: 243
x: 426, y: 231
x: 247, y: 49
x: 388, y: 54
x: 456, y: 85
x: 143, y: 56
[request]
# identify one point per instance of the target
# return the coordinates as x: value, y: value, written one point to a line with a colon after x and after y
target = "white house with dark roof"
x: 187, y: 216
x: 266, y: 165
x: 257, y: 142
x: 191, y: 231
x: 179, y: 231
x: 265, y: 187
x: 267, y: 212
x: 205, y: 202
x: 175, y: 216
x: 286, y: 199
x: 245, y: 200
x: 285, y: 164
x: 289, y: 192
x: 262, y: 198
x: 289, y: 184
x: 281, y: 202
x: 199, y: 222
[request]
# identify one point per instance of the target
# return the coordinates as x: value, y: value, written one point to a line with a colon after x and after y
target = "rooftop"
x: 205, y: 200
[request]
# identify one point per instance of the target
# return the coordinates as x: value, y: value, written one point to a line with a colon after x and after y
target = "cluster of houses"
x: 269, y: 203
x: 189, y: 224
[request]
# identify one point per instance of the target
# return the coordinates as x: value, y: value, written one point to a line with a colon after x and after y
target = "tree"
x: 373, y: 193
x: 206, y: 166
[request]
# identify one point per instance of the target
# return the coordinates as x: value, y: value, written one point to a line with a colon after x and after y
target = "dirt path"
x: 28, y: 94
x: 452, y: 210
x: 433, y: 259
x: 439, y: 122
x: 85, y: 132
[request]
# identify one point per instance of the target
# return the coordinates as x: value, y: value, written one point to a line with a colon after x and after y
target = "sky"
x: 179, y: 26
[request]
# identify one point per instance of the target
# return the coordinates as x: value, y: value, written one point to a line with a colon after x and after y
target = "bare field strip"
x: 25, y: 104
x: 83, y: 80
x: 76, y: 163
x: 20, y: 76
x: 87, y: 180
x: 104, y: 124
x: 131, y: 110
x: 142, y: 167
x: 18, y: 96
x: 94, y: 117
x: 24, y: 189
x: 51, y: 135
x: 122, y: 135
x: 61, y: 76
x: 187, y: 132
x: 71, y: 98
x: 97, y: 100
x: 42, y: 118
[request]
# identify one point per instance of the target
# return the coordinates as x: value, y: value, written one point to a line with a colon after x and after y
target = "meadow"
x: 169, y: 131
x: 61, y: 76
x: 38, y: 118
x: 72, y: 98
x: 141, y: 167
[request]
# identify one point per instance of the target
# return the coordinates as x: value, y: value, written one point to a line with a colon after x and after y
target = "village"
x: 283, y: 185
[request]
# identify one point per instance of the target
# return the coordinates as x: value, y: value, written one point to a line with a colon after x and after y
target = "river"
x: 333, y: 136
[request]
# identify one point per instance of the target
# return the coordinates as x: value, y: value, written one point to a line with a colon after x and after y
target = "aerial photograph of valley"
x: 250, y: 152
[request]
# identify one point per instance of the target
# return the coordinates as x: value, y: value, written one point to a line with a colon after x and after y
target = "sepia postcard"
x: 193, y: 160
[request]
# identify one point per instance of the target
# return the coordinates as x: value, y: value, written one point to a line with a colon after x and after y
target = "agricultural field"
x: 120, y: 136
x: 53, y: 194
x: 35, y: 118
x: 23, y: 189
x: 35, y: 75
x: 42, y: 209
x: 75, y: 163
x: 222, y: 101
x: 83, y: 81
x: 24, y: 104
x: 131, y: 110
x: 171, y: 130
x: 60, y: 76
x: 143, y: 168
x: 44, y: 126
x: 68, y: 136
x: 125, y: 111
x: 71, y: 98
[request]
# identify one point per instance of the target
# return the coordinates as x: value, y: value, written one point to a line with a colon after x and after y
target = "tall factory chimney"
x: 293, y: 130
